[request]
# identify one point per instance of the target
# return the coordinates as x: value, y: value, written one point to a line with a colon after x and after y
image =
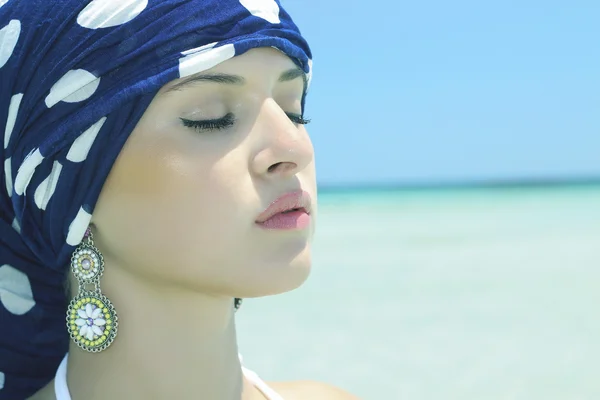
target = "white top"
x: 62, y: 390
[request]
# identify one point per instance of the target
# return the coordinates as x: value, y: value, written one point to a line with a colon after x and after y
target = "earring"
x: 91, y: 318
x: 237, y: 303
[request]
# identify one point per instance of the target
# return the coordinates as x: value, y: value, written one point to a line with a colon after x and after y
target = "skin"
x: 175, y: 223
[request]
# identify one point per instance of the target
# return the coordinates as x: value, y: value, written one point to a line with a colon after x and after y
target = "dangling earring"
x: 237, y: 303
x: 91, y: 318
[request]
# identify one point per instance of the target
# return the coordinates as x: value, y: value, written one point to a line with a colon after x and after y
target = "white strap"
x: 61, y: 390
x: 60, y: 381
x: 269, y: 393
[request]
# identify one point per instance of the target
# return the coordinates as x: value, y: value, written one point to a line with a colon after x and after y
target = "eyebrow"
x: 228, y: 79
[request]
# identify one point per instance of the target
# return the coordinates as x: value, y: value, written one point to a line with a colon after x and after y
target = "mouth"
x: 295, y: 209
x: 290, y: 211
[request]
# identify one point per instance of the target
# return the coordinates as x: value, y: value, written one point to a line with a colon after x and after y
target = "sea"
x: 442, y: 293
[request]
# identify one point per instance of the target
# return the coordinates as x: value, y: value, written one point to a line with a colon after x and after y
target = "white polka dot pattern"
x: 45, y: 190
x: 9, y: 36
x: 108, y: 13
x: 309, y: 74
x: 265, y: 9
x: 203, y: 58
x: 81, y: 146
x: 16, y: 226
x: 199, y: 49
x: 13, y: 109
x: 8, y: 176
x: 76, y: 85
x: 26, y: 171
x: 15, y: 290
x: 78, y: 227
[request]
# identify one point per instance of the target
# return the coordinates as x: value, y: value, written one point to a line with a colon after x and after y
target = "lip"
x: 289, y: 211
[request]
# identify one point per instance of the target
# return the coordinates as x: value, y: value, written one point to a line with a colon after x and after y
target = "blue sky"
x: 438, y: 91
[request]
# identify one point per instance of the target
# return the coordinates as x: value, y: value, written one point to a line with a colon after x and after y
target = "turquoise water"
x: 442, y: 294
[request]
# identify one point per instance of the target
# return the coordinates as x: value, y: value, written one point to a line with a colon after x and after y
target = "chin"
x: 272, y: 276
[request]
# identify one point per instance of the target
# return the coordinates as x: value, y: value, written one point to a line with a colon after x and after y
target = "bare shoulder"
x: 313, y: 390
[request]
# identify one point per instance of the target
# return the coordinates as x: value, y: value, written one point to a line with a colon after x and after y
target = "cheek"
x: 160, y: 201
x: 150, y: 181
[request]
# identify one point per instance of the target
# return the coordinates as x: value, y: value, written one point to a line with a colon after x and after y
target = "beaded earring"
x: 91, y: 318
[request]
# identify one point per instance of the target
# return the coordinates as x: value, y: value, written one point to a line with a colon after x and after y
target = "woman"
x: 156, y: 165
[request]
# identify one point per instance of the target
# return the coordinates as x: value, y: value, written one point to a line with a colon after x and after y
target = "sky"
x: 443, y: 91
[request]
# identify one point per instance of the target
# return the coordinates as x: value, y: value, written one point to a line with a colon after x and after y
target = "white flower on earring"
x: 90, y: 322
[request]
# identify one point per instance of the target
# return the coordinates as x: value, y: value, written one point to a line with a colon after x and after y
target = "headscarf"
x: 75, y: 78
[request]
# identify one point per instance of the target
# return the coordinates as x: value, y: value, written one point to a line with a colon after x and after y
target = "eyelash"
x: 228, y: 120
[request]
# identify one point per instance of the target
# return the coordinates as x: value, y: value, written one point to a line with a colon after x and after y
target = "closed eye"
x: 210, y: 124
x: 229, y: 120
x: 298, y: 119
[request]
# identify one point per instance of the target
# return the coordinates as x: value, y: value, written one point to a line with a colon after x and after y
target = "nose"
x: 284, y: 148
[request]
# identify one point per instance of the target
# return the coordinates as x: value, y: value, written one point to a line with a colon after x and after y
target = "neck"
x: 170, y: 343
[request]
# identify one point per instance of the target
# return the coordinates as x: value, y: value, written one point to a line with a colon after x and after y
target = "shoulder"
x: 314, y: 390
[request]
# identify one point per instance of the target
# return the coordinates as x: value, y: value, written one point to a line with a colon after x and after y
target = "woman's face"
x: 180, y: 204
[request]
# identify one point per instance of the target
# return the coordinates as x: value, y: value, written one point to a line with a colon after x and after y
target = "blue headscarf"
x: 75, y: 78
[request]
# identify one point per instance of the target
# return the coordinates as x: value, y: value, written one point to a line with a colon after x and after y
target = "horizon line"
x: 466, y: 184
